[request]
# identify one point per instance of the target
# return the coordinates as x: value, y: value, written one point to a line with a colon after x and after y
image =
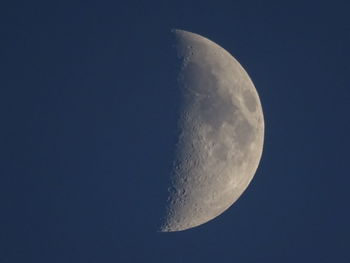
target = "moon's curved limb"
x: 222, y: 133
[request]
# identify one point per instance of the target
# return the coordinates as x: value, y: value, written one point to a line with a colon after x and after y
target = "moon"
x: 221, y: 134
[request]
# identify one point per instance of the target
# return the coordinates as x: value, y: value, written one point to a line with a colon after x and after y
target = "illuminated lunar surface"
x: 221, y: 134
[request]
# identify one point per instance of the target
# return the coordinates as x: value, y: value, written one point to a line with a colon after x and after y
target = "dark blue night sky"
x: 88, y: 112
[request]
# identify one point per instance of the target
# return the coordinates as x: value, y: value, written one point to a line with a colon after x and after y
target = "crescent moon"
x: 221, y: 138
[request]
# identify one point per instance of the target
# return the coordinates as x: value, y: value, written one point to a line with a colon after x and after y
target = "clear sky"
x: 88, y: 112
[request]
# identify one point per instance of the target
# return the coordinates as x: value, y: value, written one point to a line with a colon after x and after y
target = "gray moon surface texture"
x: 221, y: 134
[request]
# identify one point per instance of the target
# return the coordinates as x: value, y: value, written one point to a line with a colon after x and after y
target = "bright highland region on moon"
x: 221, y: 139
